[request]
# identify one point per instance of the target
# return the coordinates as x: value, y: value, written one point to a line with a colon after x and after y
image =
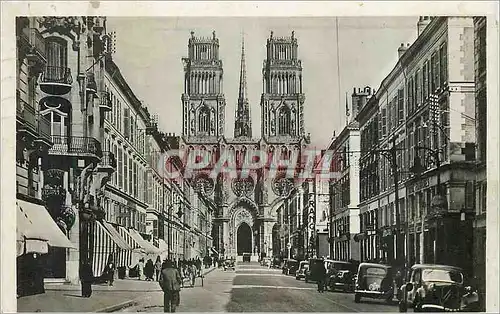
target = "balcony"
x: 27, y: 116
x: 105, y: 104
x: 91, y: 84
x: 36, y: 54
x: 56, y: 80
x: 108, y: 163
x: 75, y: 146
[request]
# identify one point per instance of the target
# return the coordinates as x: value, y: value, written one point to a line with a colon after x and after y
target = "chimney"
x: 423, y: 21
x: 402, y: 49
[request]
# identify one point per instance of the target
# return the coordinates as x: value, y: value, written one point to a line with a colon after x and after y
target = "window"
x: 58, y: 124
x: 418, y: 89
x: 384, y: 122
x: 115, y: 153
x: 125, y: 172
x: 443, y: 64
x: 131, y: 176
x: 481, y: 58
x: 284, y: 121
x: 57, y: 58
x: 435, y: 72
x: 126, y: 123
x: 401, y: 104
x: 136, y: 183
x: 120, y: 168
x: 395, y: 112
x: 425, y: 78
x: 204, y: 120
x: 132, y: 129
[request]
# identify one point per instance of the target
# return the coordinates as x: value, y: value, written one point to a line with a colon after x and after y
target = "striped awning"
x: 36, y: 229
x: 148, y: 247
x: 103, y: 247
x: 119, y: 240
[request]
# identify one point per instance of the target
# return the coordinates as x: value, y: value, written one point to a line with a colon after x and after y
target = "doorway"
x: 244, y: 239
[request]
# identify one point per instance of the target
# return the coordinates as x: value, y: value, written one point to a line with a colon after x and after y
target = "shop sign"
x: 419, y: 185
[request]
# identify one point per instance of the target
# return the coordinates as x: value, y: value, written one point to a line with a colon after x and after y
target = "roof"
x: 375, y: 265
x: 339, y: 262
x: 436, y: 266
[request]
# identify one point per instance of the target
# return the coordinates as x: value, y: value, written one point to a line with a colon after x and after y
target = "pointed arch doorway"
x: 243, y: 239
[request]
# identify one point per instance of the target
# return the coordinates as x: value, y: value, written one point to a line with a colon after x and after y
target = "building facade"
x: 481, y: 136
x: 245, y: 208
x: 88, y: 156
x: 344, y: 191
x: 60, y: 89
x: 424, y: 150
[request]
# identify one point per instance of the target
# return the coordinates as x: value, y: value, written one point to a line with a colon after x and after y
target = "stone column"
x: 73, y: 256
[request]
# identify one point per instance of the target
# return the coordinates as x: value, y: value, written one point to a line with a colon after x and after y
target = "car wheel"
x: 357, y: 298
x: 305, y: 279
x: 297, y: 278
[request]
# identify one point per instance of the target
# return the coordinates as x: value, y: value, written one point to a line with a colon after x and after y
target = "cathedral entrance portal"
x: 244, y: 239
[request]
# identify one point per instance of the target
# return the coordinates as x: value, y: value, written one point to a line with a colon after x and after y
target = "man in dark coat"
x: 170, y: 283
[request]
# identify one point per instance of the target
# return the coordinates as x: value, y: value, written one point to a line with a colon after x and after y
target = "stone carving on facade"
x: 243, y: 186
x: 282, y: 186
x: 204, y: 184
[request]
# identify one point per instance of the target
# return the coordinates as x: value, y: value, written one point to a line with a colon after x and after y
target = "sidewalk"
x: 67, y: 298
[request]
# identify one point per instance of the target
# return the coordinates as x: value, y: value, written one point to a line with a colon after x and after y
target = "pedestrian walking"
x: 321, y: 277
x: 170, y: 282
x: 149, y: 270
x: 110, y: 270
x: 194, y: 273
x: 140, y: 268
x: 86, y: 278
x: 158, y: 268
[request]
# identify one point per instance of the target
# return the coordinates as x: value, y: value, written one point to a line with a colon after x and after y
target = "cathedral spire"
x: 243, y: 124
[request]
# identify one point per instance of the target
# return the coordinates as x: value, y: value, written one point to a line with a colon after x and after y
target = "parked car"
x: 266, y: 261
x: 341, y: 275
x: 229, y: 264
x: 276, y: 262
x: 290, y: 266
x: 311, y: 274
x: 301, y: 271
x: 374, y: 281
x: 438, y: 288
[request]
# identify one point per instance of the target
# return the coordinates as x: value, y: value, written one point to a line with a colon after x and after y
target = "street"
x: 253, y: 288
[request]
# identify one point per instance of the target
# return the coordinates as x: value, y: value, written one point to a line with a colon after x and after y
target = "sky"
x: 149, y: 52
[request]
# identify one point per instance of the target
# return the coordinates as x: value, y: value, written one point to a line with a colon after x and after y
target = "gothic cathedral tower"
x: 243, y: 122
x: 203, y: 102
x: 282, y: 99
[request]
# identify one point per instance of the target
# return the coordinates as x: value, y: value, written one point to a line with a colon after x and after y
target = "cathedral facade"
x: 245, y: 207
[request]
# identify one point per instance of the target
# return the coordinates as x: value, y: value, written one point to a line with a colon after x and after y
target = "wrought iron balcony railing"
x: 57, y: 75
x: 75, y: 145
x: 105, y: 103
x: 108, y: 160
x: 35, y: 39
x: 91, y: 84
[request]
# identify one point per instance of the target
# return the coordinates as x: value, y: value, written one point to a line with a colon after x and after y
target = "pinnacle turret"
x: 243, y: 124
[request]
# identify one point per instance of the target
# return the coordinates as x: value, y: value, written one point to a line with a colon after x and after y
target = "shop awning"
x: 148, y: 247
x: 163, y: 247
x: 38, y: 224
x: 117, y: 238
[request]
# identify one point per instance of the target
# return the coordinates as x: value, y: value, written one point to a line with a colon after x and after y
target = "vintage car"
x: 437, y: 288
x: 266, y: 261
x: 341, y: 275
x: 374, y: 281
x: 289, y: 266
x: 228, y: 264
x: 301, y: 271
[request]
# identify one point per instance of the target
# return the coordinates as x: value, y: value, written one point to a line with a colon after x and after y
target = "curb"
x: 116, y: 307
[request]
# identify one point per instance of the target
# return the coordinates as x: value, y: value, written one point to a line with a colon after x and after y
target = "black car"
x: 341, y: 275
x: 375, y: 281
x: 438, y: 288
x: 290, y: 266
